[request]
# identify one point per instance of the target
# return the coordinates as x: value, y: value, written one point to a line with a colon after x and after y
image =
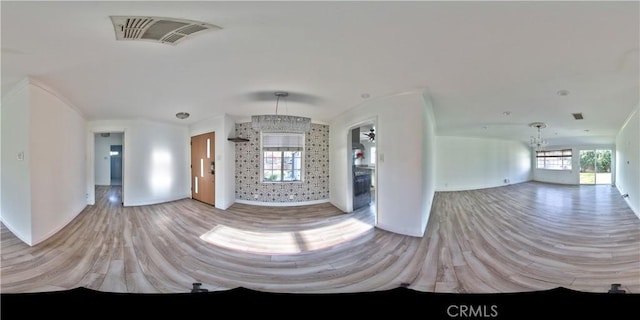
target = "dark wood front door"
x: 203, y: 167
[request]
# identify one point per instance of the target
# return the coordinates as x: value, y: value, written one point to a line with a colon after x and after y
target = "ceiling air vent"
x: 157, y: 29
x: 577, y: 116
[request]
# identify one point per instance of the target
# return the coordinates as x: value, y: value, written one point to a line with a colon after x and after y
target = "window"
x: 554, y: 159
x: 282, y: 155
x: 373, y: 155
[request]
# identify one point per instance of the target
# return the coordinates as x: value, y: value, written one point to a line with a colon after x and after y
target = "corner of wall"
x: 429, y: 158
x: 627, y: 179
x: 16, y: 232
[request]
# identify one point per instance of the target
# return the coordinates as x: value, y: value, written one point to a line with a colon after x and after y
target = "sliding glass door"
x: 595, y: 166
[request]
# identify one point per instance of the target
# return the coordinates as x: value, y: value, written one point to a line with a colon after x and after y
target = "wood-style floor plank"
x: 524, y: 237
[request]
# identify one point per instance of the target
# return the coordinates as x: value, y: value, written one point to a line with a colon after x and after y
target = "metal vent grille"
x: 172, y: 38
x: 577, y: 116
x: 132, y: 28
x: 191, y: 29
x: 161, y: 28
x: 157, y: 29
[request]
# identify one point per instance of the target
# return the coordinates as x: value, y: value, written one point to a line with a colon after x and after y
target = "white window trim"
x: 562, y: 156
x: 302, y: 162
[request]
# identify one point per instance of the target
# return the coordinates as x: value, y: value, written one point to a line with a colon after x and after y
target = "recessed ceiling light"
x: 563, y: 93
x: 182, y: 115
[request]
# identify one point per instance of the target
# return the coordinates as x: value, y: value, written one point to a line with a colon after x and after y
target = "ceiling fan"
x: 371, y: 134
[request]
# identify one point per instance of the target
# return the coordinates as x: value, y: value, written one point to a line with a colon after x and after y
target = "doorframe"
x: 111, y: 162
x: 349, y: 203
x: 90, y: 194
x: 594, y: 149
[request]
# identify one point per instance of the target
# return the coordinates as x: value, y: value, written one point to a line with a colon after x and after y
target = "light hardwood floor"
x: 524, y: 237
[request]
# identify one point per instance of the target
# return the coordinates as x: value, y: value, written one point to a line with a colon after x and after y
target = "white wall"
x: 103, y: 157
x: 57, y: 160
x: 225, y: 155
x: 16, y: 199
x: 628, y: 161
x: 475, y: 163
x: 155, y: 160
x: 569, y: 176
x: 402, y: 168
x: 48, y: 190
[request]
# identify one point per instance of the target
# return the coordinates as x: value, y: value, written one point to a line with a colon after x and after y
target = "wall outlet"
x: 290, y: 197
x: 255, y: 196
x: 506, y: 180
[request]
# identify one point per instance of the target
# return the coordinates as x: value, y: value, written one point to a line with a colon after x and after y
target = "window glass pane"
x: 272, y: 175
x: 277, y: 162
x: 267, y: 163
x: 291, y: 175
x: 288, y: 175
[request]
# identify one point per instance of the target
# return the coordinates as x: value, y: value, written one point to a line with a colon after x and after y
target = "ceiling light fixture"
x: 538, y: 142
x: 182, y: 115
x: 563, y: 93
x: 280, y: 123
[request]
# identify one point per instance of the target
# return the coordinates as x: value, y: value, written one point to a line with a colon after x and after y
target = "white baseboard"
x: 282, y: 204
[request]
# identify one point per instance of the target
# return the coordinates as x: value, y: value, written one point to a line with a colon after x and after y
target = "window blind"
x: 282, y: 142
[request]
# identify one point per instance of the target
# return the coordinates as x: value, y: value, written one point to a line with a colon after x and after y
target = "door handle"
x: 213, y: 167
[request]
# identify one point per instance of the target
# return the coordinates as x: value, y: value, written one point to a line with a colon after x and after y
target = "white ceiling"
x: 475, y: 59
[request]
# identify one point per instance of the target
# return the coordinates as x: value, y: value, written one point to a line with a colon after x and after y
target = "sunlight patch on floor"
x: 285, y: 242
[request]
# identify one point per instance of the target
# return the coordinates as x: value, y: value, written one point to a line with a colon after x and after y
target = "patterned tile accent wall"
x: 316, y: 176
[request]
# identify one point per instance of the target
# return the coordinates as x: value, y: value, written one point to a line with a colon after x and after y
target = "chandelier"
x: 280, y: 123
x: 537, y: 142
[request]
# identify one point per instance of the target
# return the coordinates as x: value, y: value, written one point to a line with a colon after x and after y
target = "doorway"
x: 116, y: 165
x: 109, y: 167
x: 595, y: 166
x: 203, y: 168
x: 363, y: 165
